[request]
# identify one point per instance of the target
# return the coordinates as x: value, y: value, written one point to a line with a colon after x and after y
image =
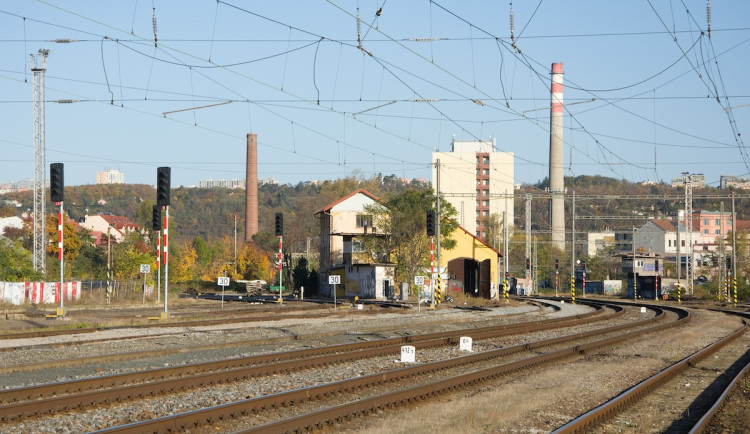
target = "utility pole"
x: 437, y: 226
x: 40, y: 182
x: 734, y: 253
x: 723, y: 287
x: 689, y: 229
x: 528, y: 242
x: 573, y: 239
x: 506, y: 289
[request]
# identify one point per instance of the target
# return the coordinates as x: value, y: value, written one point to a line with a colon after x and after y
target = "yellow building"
x: 470, y: 267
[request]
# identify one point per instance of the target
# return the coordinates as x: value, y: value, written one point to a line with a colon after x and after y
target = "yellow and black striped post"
x: 573, y: 289
x: 635, y: 288
x: 678, y: 292
x: 438, y: 292
x: 505, y: 288
x: 734, y: 290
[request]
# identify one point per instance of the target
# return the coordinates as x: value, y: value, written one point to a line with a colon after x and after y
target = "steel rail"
x: 174, y: 423
x: 49, y: 398
x: 44, y: 399
x: 36, y: 392
x: 596, y: 415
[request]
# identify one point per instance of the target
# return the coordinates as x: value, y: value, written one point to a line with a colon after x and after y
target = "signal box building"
x: 342, y: 225
x: 644, y: 271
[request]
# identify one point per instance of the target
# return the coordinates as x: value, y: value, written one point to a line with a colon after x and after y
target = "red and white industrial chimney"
x: 556, y: 182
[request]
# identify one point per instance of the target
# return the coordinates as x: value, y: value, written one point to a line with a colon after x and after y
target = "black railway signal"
x: 430, y: 223
x: 162, y: 185
x: 279, y: 224
x: 156, y: 219
x: 557, y: 263
x: 528, y: 264
x: 56, y: 182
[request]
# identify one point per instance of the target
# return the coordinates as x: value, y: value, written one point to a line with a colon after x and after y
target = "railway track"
x: 334, y: 403
x: 720, y: 365
x: 160, y: 351
x: 29, y: 401
x: 395, y: 387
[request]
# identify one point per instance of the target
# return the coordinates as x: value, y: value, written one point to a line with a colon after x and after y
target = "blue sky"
x: 668, y: 99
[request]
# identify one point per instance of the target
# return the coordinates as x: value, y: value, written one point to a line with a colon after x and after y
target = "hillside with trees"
x: 203, y: 221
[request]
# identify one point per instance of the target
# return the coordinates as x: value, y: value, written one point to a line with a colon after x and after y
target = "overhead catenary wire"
x: 481, y: 123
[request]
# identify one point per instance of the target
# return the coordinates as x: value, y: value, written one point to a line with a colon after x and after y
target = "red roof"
x: 354, y: 193
x: 119, y: 222
x: 665, y: 225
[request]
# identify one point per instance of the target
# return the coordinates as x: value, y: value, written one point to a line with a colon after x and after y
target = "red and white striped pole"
x: 280, y: 274
x: 166, y: 264
x: 432, y: 273
x: 158, y: 266
x: 60, y: 253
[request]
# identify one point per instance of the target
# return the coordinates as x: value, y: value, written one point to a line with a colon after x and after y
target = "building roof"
x: 480, y: 241
x: 328, y: 207
x: 664, y: 224
x: 118, y: 221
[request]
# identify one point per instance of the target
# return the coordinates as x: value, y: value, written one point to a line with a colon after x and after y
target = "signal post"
x: 57, y: 186
x: 163, y: 175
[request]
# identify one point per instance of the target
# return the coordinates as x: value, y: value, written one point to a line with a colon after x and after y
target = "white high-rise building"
x: 110, y: 176
x: 474, y: 178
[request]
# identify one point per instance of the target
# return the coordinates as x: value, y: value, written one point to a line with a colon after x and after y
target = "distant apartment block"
x: 12, y: 186
x: 474, y: 178
x: 732, y: 181
x: 110, y: 176
x: 697, y: 180
x: 222, y: 183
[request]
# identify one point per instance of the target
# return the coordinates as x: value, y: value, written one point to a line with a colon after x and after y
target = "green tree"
x: 16, y: 263
x: 403, y: 218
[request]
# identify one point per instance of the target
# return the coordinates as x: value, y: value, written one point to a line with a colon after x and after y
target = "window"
x: 486, y: 172
x: 717, y: 222
x: 705, y: 231
x: 486, y: 203
x: 669, y: 244
x: 357, y: 246
x: 364, y: 220
x: 682, y: 242
x: 705, y: 221
x: 486, y: 213
x: 486, y: 182
x: 486, y: 160
x: 717, y: 232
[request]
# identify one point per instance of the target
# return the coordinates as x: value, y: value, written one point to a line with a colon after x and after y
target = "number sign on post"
x: 334, y: 279
x: 145, y: 269
x: 223, y: 282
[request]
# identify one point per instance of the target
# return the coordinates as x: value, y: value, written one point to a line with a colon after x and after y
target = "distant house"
x: 102, y: 226
x: 342, y: 223
x: 660, y: 236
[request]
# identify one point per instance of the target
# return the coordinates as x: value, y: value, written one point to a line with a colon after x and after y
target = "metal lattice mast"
x: 689, y: 235
x: 40, y: 181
